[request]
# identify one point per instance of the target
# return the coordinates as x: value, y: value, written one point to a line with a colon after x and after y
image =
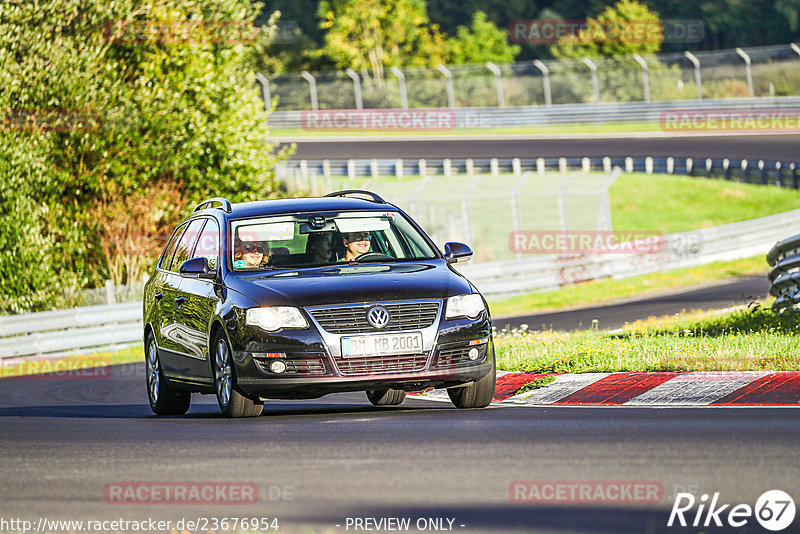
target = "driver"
x: 356, y: 244
x: 251, y: 254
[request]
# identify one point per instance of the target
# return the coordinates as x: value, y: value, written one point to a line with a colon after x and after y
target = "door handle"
x: 179, y: 300
x: 159, y: 296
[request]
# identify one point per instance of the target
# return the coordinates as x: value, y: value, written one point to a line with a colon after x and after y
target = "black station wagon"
x: 298, y: 298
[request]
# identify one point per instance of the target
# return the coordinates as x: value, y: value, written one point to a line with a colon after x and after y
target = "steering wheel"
x: 373, y: 256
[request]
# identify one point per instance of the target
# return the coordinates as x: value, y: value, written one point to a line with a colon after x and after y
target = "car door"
x: 200, y: 302
x: 165, y: 289
x: 176, y: 362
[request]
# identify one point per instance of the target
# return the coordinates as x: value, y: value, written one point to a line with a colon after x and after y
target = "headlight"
x: 464, y: 306
x: 275, y: 318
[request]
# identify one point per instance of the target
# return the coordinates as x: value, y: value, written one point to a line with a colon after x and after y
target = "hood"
x: 344, y: 284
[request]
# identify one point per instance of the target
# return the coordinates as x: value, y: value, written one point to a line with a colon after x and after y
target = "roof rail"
x: 225, y: 204
x: 374, y: 196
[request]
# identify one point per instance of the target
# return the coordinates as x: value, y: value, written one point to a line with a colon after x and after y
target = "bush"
x: 100, y: 115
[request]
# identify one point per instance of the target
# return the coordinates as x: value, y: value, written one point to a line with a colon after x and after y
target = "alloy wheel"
x: 222, y: 373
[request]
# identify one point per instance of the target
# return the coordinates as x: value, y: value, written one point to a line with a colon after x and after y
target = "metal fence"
x: 784, y: 258
x: 69, y: 331
x: 755, y: 72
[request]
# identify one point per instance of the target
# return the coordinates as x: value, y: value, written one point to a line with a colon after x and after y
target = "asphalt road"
x: 737, y: 292
x: 64, y: 442
x: 768, y: 147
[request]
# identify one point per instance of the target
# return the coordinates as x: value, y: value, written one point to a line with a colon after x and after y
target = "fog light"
x: 277, y: 367
x: 473, y: 354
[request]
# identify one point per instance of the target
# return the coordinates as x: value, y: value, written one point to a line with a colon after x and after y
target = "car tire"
x: 163, y: 399
x: 386, y: 397
x: 231, y: 402
x: 475, y: 394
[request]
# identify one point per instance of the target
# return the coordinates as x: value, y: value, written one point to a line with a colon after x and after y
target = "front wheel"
x: 163, y: 399
x: 231, y: 402
x: 475, y: 394
x: 386, y: 397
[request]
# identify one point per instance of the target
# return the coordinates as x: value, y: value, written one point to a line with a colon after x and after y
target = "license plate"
x: 378, y: 345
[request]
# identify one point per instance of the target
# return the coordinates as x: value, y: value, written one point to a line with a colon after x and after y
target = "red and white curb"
x: 715, y: 388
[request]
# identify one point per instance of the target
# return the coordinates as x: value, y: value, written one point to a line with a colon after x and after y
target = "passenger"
x: 318, y: 247
x: 251, y: 255
x: 356, y: 244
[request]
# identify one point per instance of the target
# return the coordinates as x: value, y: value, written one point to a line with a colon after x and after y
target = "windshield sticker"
x: 281, y: 231
x: 240, y: 263
x: 361, y: 225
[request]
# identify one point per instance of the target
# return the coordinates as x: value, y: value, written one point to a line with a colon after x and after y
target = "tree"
x: 104, y: 104
x: 372, y: 35
x: 628, y: 27
x: 621, y: 30
x: 481, y: 42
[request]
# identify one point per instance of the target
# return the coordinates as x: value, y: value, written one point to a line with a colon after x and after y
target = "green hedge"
x: 106, y: 106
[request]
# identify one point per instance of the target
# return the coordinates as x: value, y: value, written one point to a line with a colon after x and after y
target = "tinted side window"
x: 166, y: 258
x: 208, y: 244
x: 186, y: 244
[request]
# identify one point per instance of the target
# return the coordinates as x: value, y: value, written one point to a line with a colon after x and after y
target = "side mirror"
x: 198, y: 268
x: 456, y: 252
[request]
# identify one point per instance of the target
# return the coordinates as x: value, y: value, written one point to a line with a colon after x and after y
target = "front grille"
x: 302, y: 367
x: 458, y: 356
x: 408, y: 363
x: 353, y: 319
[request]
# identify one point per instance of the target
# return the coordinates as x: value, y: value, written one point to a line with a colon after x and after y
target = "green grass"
x: 667, y: 204
x: 748, y: 340
x: 553, y: 129
x: 68, y: 364
x: 607, y: 290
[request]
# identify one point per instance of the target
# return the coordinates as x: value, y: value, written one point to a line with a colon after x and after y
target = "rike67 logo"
x: 774, y: 510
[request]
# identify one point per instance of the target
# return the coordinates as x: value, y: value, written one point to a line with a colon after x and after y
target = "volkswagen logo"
x: 378, y: 316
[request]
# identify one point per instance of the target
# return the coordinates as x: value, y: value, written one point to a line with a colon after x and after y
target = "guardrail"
x: 116, y: 326
x: 784, y: 258
x: 303, y: 174
x: 560, y: 114
x: 68, y: 331
x: 686, y: 249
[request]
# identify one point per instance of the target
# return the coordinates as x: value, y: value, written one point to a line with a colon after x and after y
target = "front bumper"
x: 314, y: 370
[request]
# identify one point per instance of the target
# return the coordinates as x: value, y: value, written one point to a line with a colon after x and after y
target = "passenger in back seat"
x: 318, y: 247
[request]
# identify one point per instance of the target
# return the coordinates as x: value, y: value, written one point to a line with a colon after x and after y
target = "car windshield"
x: 314, y: 239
